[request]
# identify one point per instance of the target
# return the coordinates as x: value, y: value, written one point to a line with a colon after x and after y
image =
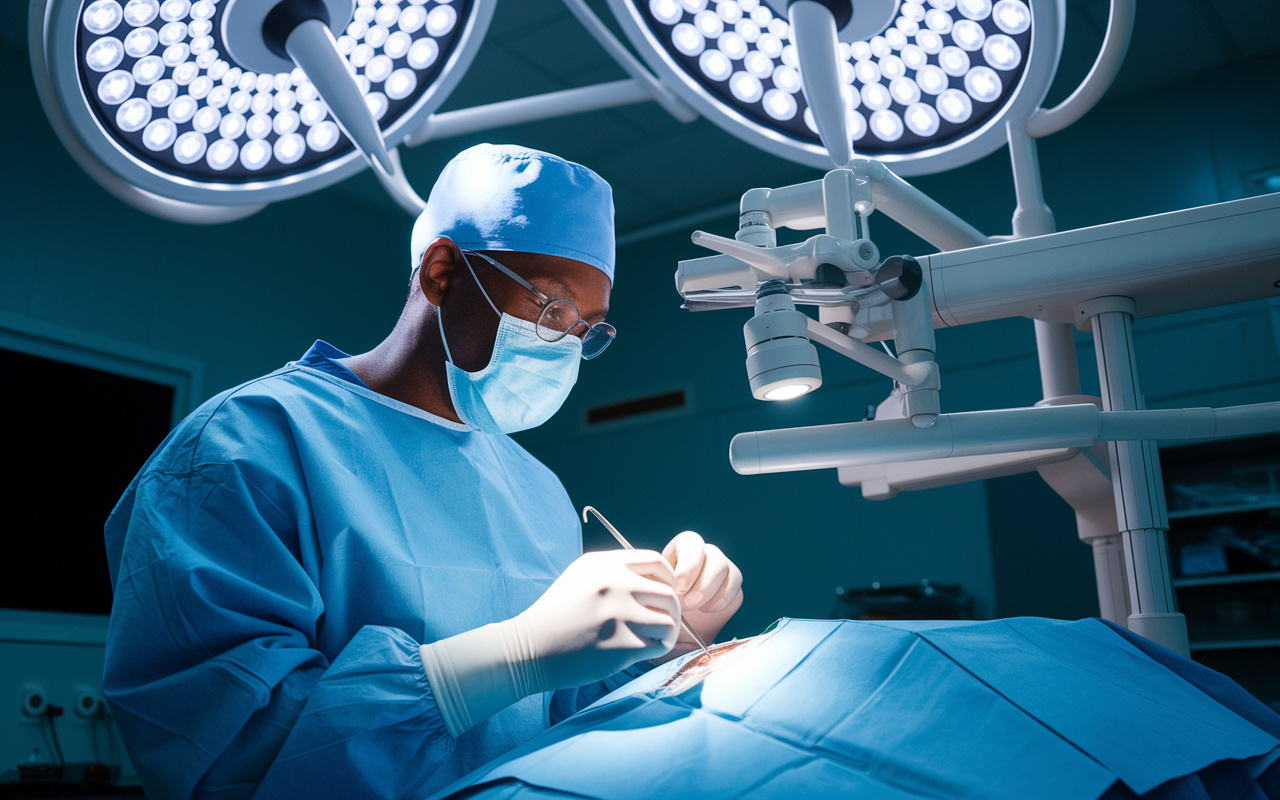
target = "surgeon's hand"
x: 709, y: 586
x: 606, y: 612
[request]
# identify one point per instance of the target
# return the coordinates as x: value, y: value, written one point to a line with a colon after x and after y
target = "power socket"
x: 34, y: 704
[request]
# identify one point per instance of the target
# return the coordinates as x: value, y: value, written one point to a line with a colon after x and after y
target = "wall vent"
x: 636, y: 407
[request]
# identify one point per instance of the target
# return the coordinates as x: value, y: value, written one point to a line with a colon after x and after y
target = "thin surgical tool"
x: 688, y: 628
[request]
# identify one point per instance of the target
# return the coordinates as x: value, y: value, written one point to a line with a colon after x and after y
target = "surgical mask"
x: 525, y: 382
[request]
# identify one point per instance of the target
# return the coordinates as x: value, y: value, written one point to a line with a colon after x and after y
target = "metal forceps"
x: 688, y: 628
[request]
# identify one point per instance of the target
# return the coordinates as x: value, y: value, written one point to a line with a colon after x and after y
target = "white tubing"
x: 817, y: 46
x: 919, y: 213
x: 1095, y: 85
x: 985, y: 432
x: 312, y: 47
x: 530, y: 109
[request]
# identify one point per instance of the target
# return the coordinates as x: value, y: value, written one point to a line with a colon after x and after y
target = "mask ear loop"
x: 440, y: 309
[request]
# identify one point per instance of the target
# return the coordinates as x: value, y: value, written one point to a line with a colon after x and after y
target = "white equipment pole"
x: 1135, y: 475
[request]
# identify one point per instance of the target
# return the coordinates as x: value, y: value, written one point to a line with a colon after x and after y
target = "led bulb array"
x: 939, y: 71
x: 159, y: 83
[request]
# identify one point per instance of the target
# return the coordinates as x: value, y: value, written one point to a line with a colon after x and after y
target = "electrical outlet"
x: 34, y: 704
x: 88, y: 705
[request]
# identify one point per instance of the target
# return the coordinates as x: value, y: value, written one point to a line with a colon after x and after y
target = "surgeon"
x: 344, y: 579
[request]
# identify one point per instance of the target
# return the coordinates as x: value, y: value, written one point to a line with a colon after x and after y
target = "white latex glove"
x: 606, y: 612
x: 709, y: 585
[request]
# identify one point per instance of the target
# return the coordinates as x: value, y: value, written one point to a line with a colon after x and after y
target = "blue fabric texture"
x: 276, y: 565
x: 1001, y: 710
x: 504, y: 197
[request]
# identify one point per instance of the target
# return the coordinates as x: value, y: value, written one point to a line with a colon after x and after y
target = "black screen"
x: 72, y: 440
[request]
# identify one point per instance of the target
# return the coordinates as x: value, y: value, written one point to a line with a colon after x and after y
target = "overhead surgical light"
x: 203, y: 111
x: 926, y: 84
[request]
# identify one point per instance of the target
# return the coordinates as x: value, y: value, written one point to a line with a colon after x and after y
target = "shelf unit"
x: 1224, y: 494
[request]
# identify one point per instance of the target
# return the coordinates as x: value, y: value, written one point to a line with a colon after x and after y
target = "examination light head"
x: 782, y: 363
x: 188, y: 101
x: 925, y: 85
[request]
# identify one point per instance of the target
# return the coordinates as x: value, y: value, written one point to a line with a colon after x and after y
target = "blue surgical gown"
x: 277, y: 563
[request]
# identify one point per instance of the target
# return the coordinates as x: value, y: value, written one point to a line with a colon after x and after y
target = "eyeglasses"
x: 559, y: 318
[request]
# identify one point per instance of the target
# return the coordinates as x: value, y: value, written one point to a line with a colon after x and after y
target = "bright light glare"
x: 982, y: 83
x: 938, y: 21
x: 377, y: 103
x: 398, y: 43
x: 290, y: 148
x: 141, y: 41
x: 159, y: 134
x: 780, y: 105
x: 746, y: 87
x: 954, y: 106
x: 183, y: 109
x: 174, y: 10
x: 115, y: 87
x: 440, y: 20
x: 1012, y: 16
x: 975, y: 9
x: 190, y: 147
x: 206, y: 120
x: 861, y: 51
x: 313, y: 112
x: 896, y: 38
x: 788, y: 392
x: 732, y: 45
x: 968, y: 34
x: 1002, y: 52
x: 401, y: 84
x: 954, y: 61
x: 285, y: 123
x: 729, y: 11
x: 787, y: 79
x: 857, y: 125
x: 105, y: 54
x: 423, y: 53
x: 255, y: 154
x: 892, y: 67
x: 322, y: 137
x: 758, y: 64
x: 221, y: 154
x: 103, y: 16
x: 913, y: 57
x: 379, y: 68
x: 709, y: 24
x: 922, y: 119
x: 687, y: 39
x: 140, y: 12
x: 905, y: 91
x: 668, y: 12
x: 133, y: 115
x: 929, y: 42
x: 715, y: 65
x: 162, y: 93
x: 867, y: 71
x: 876, y: 97
x: 931, y: 80
x: 258, y: 127
x: 412, y: 19
x: 886, y: 125
x: 750, y: 33
x: 232, y: 126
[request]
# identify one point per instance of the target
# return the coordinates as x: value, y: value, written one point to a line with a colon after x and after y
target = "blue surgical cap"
x: 504, y: 197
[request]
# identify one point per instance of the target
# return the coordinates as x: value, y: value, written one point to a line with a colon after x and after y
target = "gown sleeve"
x: 212, y: 667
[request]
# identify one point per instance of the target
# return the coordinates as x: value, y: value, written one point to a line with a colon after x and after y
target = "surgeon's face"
x: 470, y: 321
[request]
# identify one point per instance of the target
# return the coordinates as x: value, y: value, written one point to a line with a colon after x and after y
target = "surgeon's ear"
x: 436, y: 272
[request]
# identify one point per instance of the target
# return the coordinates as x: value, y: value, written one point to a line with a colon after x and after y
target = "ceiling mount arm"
x: 1114, y: 46
x: 601, y: 33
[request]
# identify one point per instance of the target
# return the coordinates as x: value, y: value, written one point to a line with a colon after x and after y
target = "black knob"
x: 899, y: 277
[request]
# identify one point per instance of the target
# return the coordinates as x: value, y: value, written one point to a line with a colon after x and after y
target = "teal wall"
x: 246, y: 297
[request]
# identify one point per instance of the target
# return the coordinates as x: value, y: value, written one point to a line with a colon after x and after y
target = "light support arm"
x: 923, y: 374
x: 1114, y: 46
x: 530, y: 109
x: 312, y: 47
x: 985, y: 432
x: 629, y: 63
x: 817, y: 46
